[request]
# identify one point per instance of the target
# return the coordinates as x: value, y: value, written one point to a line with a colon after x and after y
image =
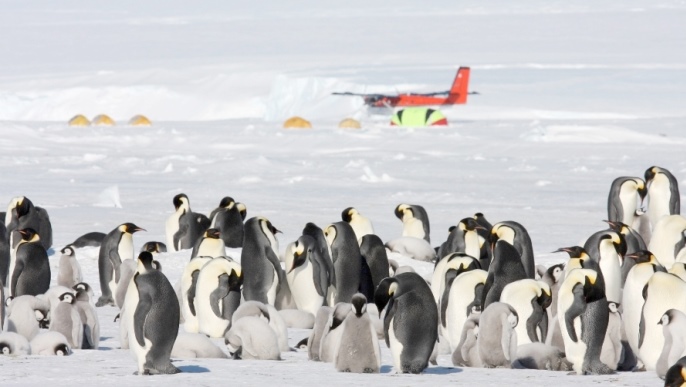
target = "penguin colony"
x: 617, y: 304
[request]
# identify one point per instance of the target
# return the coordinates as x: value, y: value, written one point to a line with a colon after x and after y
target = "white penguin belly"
x: 413, y: 228
x: 211, y: 248
x: 130, y: 305
x: 632, y: 301
x: 171, y: 228
x: 472, y: 245
x: 303, y: 290
x: 396, y: 348
x: 456, y: 315
x: 271, y: 293
x: 629, y: 199
x: 575, y: 351
x: 208, y: 322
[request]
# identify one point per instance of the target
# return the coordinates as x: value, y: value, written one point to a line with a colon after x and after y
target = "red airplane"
x: 455, y: 96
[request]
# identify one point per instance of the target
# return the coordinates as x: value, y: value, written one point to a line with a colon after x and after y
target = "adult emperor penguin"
x: 663, y: 292
x: 317, y: 234
x: 153, y: 323
x: 65, y: 318
x: 69, y: 273
x: 625, y: 198
x: 4, y: 252
x: 116, y: 247
x: 463, y: 301
x: 415, y: 221
x: 184, y: 227
x: 608, y: 249
x: 464, y: 238
x: 663, y: 194
x: 583, y: 326
x: 31, y: 271
x: 506, y: 268
x: 210, y: 245
x: 497, y: 340
x: 361, y: 226
x: 217, y: 295
x: 12, y: 343
x: 516, y: 235
x: 458, y: 263
x: 306, y: 274
x: 260, y: 262
x: 410, y: 322
x: 22, y: 214
x: 89, y: 239
x: 89, y: 318
x: 189, y: 281
x: 358, y: 349
x: 374, y: 254
x: 634, y: 243
x: 347, y: 260
x: 674, y: 331
x: 154, y: 247
x: 228, y: 220
x: 668, y: 239
x: 530, y: 298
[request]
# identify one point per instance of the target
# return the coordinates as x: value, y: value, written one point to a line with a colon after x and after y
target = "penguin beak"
x: 562, y: 250
x: 479, y: 228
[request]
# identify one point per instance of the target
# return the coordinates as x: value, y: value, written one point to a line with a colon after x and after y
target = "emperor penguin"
x: 634, y: 243
x: 227, y: 218
x: 497, y: 340
x: 153, y: 323
x: 65, y: 318
x: 50, y: 343
x: 668, y: 239
x: 154, y: 247
x: 217, y: 295
x: 89, y: 319
x: 415, y: 248
x: 90, y: 239
x: 516, y: 235
x: 632, y: 295
x: 31, y: 272
x: 663, y: 292
x: 374, y: 254
x: 184, y: 227
x: 331, y: 335
x: 465, y: 238
x: 608, y: 249
x: 252, y: 338
x: 553, y: 276
x: 530, y: 299
x: 358, y: 348
x: 583, y: 325
x: 24, y: 315
x: 347, y: 260
x: 625, y: 199
x: 4, y: 252
x: 361, y: 226
x: 663, y: 194
x: 260, y: 262
x: 611, y: 353
x: 306, y: 274
x: 467, y: 353
x: 314, y: 340
x: 415, y: 221
x: 322, y: 246
x: 410, y: 322
x: 116, y: 247
x: 14, y: 344
x: 209, y: 245
x: 22, y: 214
x: 458, y: 263
x: 189, y: 281
x: 69, y: 273
x: 464, y: 300
x: 676, y: 375
x: 539, y: 356
x: 674, y: 330
x: 196, y: 346
x: 127, y: 269
x: 270, y: 314
x: 506, y: 268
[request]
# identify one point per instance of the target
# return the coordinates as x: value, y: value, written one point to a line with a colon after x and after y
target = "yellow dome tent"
x: 139, y: 120
x: 416, y: 117
x: 297, y: 123
x: 79, y: 120
x: 350, y: 123
x: 103, y: 120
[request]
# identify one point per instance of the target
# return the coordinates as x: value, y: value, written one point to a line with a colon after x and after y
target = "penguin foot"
x: 368, y: 371
x: 346, y: 370
x: 102, y: 301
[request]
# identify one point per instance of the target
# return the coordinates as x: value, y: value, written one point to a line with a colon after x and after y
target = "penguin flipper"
x: 190, y: 295
x: 575, y: 310
x: 321, y: 280
x: 274, y: 260
x: 142, y: 310
x: 390, y: 313
x: 115, y: 260
x: 18, y: 268
x: 218, y: 294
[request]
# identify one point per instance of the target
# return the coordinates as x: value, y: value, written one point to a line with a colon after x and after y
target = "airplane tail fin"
x: 460, y: 84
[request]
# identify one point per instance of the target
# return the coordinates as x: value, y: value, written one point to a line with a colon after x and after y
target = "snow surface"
x: 572, y: 95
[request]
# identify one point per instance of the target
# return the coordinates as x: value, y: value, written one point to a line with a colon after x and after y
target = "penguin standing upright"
x: 4, y: 252
x: 360, y: 225
x: 260, y: 262
x: 668, y: 239
x: 153, y: 323
x: 410, y: 322
x: 358, y: 349
x: 464, y: 238
x: 189, y: 282
x: 531, y: 299
x: 184, y: 227
x: 463, y: 301
x: 415, y: 221
x: 210, y: 245
x: 608, y: 249
x: 89, y: 318
x: 506, y: 268
x: 347, y: 260
x: 22, y: 214
x: 322, y: 246
x: 374, y: 254
x: 116, y: 247
x: 31, y: 270
x: 227, y: 218
x: 634, y: 243
x: 516, y: 235
x: 69, y: 269
x: 306, y: 274
x: 623, y: 202
x: 217, y: 295
x: 458, y: 263
x: 663, y: 194
x: 611, y: 353
x: 65, y: 318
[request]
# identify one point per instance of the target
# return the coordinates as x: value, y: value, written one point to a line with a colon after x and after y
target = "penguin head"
x: 668, y: 317
x: 469, y: 224
x: 555, y: 272
x: 676, y: 375
x: 23, y: 206
x: 213, y: 233
x: 348, y: 214
x: 227, y: 202
x: 613, y: 307
x: 618, y: 227
x: 154, y: 247
x: 573, y: 251
x: 82, y: 286
x: 67, y: 297
x: 330, y: 233
x: 359, y: 304
x: 62, y: 350
x: 642, y: 256
x: 267, y: 226
x: 82, y: 295
x: 42, y: 318
x: 5, y: 349
x: 501, y: 231
x: 650, y: 173
x: 403, y: 209
x: 181, y: 201
x: 29, y: 235
x: 592, y: 289
x: 236, y: 278
x: 384, y: 292
x: 461, y: 262
x: 544, y: 296
x: 301, y: 252
x: 145, y: 261
x: 641, y: 188
x: 67, y: 250
x: 513, y: 318
x: 129, y: 228
x: 242, y: 209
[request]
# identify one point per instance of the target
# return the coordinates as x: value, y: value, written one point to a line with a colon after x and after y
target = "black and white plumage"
x: 184, y: 227
x: 228, y: 219
x: 31, y: 270
x: 625, y: 199
x: 209, y: 245
x: 116, y: 247
x: 307, y: 275
x: 415, y: 221
x: 22, y: 214
x: 663, y: 194
x: 262, y: 272
x: 516, y: 235
x: 347, y: 260
x: 506, y: 268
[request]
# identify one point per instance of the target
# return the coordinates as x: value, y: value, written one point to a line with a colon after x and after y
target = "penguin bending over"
x: 154, y: 247
x: 314, y: 340
x: 217, y: 295
x: 465, y: 238
x: 374, y: 254
x: 358, y: 348
x: 634, y: 243
x: 24, y: 315
x: 539, y: 356
x: 530, y: 299
x: 516, y: 235
x: 458, y: 263
x: 360, y: 225
x: 467, y: 353
x: 322, y: 247
x: 415, y: 221
x: 623, y: 202
x: 22, y: 214
x: 464, y: 300
x: 663, y: 194
x: 228, y: 219
x: 153, y: 323
x: 91, y: 239
x: 260, y: 263
x: 196, y: 346
x: 269, y: 314
x: 411, y: 320
x: 251, y: 338
x: 116, y: 247
x: 306, y: 274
